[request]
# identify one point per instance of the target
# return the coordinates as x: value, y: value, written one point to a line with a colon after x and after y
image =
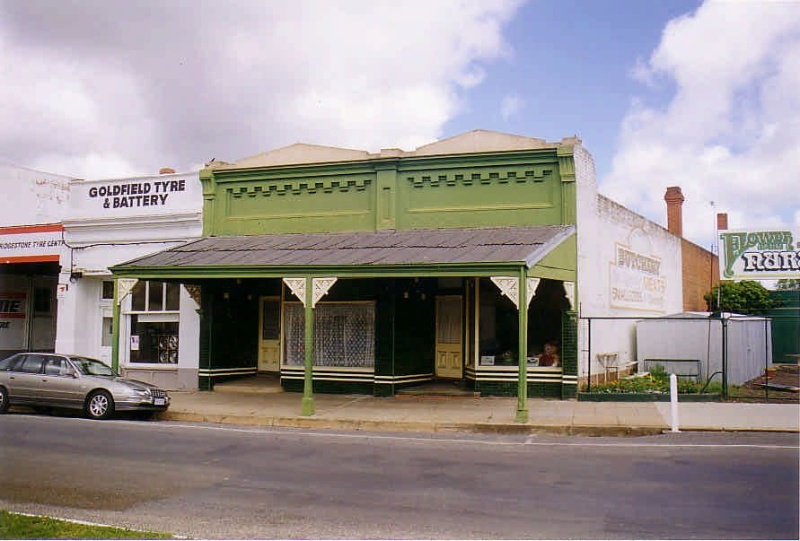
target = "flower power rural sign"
x: 752, y: 255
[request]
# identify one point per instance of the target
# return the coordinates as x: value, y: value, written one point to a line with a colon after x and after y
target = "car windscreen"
x: 92, y: 367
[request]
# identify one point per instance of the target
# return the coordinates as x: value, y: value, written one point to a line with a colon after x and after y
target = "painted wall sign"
x: 636, y: 280
x: 30, y: 243
x: 749, y: 255
x: 150, y: 193
x: 12, y: 320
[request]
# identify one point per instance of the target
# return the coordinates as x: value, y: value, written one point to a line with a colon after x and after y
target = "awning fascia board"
x: 357, y: 271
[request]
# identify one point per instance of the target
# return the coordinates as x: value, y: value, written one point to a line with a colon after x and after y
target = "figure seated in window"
x: 550, y: 356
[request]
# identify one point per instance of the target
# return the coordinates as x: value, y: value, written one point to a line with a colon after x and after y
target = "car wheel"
x: 99, y: 405
x: 3, y: 399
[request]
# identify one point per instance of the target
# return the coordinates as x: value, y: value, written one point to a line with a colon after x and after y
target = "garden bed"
x: 647, y: 397
x: 783, y: 379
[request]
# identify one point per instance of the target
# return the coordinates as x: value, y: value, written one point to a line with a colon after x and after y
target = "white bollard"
x: 673, y: 401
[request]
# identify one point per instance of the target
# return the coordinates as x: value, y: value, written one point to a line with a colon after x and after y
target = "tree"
x: 792, y: 284
x: 745, y: 297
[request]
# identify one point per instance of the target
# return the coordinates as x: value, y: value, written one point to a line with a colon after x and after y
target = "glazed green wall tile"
x: 330, y: 387
x: 535, y: 390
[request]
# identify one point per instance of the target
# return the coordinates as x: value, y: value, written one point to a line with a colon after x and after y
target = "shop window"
x: 108, y: 290
x: 172, y: 296
x: 153, y: 341
x: 42, y: 301
x: 499, y: 322
x: 154, y: 322
x: 344, y: 334
x: 154, y: 296
x: 270, y: 319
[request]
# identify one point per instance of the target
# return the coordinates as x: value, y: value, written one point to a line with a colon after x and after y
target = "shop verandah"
x: 384, y: 310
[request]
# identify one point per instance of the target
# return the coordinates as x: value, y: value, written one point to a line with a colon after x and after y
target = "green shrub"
x: 656, y: 382
x: 659, y: 373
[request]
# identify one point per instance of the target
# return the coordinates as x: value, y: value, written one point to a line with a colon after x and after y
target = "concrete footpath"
x: 468, y: 414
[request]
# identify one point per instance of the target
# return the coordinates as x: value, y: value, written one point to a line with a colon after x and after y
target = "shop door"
x: 269, y: 346
x: 106, y: 334
x: 449, y: 337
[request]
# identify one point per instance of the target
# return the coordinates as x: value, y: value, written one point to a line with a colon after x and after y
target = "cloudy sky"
x: 703, y: 95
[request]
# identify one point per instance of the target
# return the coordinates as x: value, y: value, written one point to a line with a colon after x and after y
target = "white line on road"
x: 528, y: 442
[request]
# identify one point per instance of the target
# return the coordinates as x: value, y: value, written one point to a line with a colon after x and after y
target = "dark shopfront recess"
x: 404, y: 327
x: 404, y: 324
x: 38, y: 282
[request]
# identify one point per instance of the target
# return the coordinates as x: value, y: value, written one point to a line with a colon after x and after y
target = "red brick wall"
x: 700, y: 274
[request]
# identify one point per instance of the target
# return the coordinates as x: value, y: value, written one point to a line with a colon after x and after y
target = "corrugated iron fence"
x: 741, y: 357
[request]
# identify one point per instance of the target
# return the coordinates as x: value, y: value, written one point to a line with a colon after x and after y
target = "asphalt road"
x: 207, y: 481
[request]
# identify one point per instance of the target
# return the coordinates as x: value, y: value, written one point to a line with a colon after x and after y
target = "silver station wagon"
x: 74, y: 382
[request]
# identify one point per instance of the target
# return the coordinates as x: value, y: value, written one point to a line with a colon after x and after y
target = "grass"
x: 17, y: 526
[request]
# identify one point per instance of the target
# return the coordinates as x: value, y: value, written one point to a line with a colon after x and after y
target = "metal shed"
x: 693, y: 344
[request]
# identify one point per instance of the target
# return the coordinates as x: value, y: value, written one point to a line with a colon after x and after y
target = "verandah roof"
x: 506, y: 246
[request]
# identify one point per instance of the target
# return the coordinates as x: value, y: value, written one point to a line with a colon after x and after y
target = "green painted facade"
x: 481, y: 190
x: 392, y: 190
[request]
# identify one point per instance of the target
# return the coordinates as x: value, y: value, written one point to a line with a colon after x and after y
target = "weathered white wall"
x: 32, y: 197
x: 586, y: 203
x: 628, y: 267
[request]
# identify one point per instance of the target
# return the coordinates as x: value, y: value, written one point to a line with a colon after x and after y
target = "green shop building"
x: 344, y: 271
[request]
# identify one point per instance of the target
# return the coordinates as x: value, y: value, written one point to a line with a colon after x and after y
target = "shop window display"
x: 499, y: 325
x: 154, y: 323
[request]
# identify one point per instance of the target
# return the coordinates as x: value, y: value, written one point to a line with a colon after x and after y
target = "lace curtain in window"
x: 344, y: 334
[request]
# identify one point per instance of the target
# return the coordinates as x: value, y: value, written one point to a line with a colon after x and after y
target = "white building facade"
x: 629, y: 268
x: 32, y: 255
x: 114, y: 220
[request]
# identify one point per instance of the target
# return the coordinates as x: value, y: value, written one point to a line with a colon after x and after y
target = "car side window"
x: 55, y: 367
x: 31, y: 365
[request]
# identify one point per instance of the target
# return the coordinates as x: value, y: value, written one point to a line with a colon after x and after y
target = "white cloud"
x: 730, y: 133
x: 510, y: 106
x: 113, y: 88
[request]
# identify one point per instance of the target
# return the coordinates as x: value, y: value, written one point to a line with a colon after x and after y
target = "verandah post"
x: 115, y: 325
x: 522, y: 355
x: 308, y: 379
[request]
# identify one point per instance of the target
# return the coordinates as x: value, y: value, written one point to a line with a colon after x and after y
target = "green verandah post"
x: 522, y: 356
x: 115, y: 324
x: 308, y: 379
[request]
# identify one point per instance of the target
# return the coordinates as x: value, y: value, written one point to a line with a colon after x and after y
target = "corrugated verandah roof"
x: 523, y: 245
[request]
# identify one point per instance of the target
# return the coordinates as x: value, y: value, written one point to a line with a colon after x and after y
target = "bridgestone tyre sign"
x: 12, y: 320
x: 752, y: 255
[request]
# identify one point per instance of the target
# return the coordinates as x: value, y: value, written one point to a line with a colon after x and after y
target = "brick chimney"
x: 166, y: 171
x: 722, y: 221
x: 674, y: 199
